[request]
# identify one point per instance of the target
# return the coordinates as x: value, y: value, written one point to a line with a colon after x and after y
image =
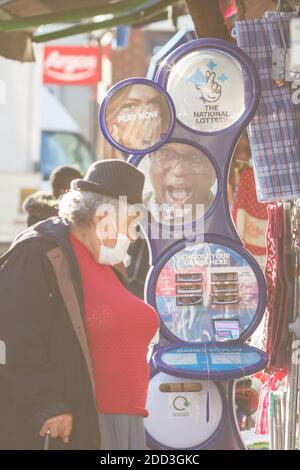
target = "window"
x: 64, y: 148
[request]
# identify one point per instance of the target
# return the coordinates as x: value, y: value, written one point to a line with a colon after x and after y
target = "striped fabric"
x: 274, y: 132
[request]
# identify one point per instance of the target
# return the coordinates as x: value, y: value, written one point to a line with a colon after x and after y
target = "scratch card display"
x: 202, y: 284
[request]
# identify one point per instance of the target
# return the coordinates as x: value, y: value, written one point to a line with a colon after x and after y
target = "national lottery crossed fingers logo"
x: 208, y: 83
x: 201, y: 86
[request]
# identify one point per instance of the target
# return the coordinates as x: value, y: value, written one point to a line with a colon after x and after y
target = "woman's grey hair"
x: 79, y: 207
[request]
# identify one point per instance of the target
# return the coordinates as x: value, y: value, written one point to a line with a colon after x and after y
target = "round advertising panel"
x: 180, y: 183
x: 207, y: 88
x: 137, y: 115
x: 206, y: 292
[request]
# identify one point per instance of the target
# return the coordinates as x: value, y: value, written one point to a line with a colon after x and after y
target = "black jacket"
x: 48, y: 369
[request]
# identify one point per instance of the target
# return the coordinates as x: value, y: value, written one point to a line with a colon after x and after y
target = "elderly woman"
x: 76, y: 339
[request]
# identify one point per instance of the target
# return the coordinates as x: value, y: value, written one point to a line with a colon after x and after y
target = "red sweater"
x: 120, y: 327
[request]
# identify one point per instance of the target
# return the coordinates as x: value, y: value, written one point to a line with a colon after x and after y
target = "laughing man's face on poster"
x: 179, y: 175
x: 137, y: 116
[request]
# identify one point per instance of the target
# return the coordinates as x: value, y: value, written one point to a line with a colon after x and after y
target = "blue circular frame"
x: 155, y: 445
x: 239, y: 372
x: 136, y: 160
x: 110, y: 94
x: 227, y: 243
x: 240, y: 56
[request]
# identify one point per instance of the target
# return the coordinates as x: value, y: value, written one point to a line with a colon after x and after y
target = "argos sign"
x: 68, y: 65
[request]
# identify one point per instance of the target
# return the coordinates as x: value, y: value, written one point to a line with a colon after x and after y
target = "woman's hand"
x: 138, y: 133
x: 58, y: 426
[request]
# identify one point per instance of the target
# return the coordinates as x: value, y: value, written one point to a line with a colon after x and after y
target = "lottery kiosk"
x: 181, y: 130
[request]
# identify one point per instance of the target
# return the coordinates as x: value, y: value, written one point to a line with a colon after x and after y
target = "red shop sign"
x: 69, y: 65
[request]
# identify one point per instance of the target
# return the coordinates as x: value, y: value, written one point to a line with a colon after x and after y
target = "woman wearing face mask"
x: 77, y: 339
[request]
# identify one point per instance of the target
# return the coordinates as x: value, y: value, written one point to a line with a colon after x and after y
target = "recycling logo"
x: 181, y: 406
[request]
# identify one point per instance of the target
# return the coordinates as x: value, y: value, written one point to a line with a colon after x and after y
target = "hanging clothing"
x: 229, y: 11
x: 270, y: 383
x: 274, y: 131
x: 250, y: 216
x: 280, y: 285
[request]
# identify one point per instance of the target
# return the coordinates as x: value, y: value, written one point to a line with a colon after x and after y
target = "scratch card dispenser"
x: 181, y: 130
x: 204, y: 283
x: 189, y: 289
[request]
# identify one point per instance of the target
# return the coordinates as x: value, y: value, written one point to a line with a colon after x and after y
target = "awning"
x: 19, y: 19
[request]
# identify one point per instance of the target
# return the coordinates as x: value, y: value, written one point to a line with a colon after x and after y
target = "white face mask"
x: 116, y: 254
